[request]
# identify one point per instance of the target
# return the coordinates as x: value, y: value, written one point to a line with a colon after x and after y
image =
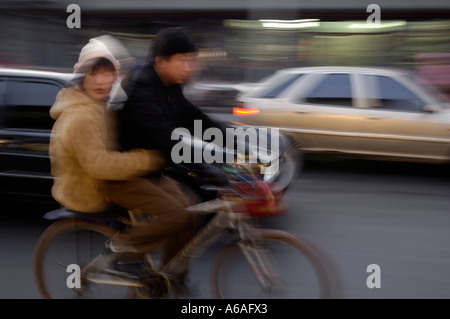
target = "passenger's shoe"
x: 111, y: 268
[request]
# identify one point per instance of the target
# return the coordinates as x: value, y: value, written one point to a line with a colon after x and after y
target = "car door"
x: 25, y: 130
x: 396, y: 122
x: 323, y: 114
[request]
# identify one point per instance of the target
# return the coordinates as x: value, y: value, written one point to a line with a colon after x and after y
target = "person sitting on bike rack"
x: 84, y: 149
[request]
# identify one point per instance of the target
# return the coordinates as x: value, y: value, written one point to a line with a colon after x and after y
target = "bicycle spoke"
x: 282, y: 267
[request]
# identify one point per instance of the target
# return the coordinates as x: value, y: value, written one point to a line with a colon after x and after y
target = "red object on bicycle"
x: 257, y: 199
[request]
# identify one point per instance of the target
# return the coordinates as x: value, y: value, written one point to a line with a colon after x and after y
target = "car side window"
x: 392, y: 95
x: 28, y: 104
x: 278, y: 89
x: 334, y: 89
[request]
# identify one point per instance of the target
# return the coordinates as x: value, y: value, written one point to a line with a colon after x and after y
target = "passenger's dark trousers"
x: 157, y: 205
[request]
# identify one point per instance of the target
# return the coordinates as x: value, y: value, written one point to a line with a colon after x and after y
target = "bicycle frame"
x: 225, y: 221
x: 221, y: 223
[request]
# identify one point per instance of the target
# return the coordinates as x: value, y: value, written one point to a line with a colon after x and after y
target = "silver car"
x: 366, y: 112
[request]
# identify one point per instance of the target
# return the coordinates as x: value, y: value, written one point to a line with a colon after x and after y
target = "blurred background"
x: 240, y: 41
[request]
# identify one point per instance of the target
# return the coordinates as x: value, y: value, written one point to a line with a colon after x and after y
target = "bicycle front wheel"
x: 63, y: 248
x: 278, y: 265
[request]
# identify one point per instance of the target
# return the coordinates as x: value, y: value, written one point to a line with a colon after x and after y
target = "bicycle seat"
x: 115, y: 216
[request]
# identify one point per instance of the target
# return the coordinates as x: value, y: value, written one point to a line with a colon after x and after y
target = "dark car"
x: 25, y: 127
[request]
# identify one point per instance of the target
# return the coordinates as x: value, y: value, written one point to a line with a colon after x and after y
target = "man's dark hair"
x: 170, y: 41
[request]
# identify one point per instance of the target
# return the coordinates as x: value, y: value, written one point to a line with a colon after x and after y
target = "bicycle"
x: 255, y: 263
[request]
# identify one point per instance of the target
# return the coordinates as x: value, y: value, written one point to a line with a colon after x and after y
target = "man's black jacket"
x: 153, y: 111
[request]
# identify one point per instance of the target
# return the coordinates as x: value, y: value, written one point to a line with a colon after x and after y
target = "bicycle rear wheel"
x: 76, y: 243
x: 291, y: 268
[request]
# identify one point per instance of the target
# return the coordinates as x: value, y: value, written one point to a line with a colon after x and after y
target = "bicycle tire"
x: 312, y: 259
x: 53, y: 238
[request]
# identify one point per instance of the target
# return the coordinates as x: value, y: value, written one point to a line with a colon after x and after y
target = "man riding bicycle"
x: 155, y: 107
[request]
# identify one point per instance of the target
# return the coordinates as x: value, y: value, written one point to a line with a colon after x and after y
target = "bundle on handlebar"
x: 251, y: 195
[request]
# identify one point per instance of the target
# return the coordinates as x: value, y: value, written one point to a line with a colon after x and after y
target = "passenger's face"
x: 177, y: 68
x: 98, y: 84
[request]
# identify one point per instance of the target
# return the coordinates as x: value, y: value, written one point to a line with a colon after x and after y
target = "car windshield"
x: 275, y: 84
x: 281, y: 86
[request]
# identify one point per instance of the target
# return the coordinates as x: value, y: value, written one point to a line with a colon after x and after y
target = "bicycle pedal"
x: 115, y: 280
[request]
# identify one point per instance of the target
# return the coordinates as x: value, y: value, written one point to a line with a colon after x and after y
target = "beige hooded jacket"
x: 83, y: 152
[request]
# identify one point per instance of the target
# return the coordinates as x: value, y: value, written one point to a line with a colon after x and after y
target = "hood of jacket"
x: 73, y: 100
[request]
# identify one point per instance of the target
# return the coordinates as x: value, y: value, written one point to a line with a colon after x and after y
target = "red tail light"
x: 240, y: 111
